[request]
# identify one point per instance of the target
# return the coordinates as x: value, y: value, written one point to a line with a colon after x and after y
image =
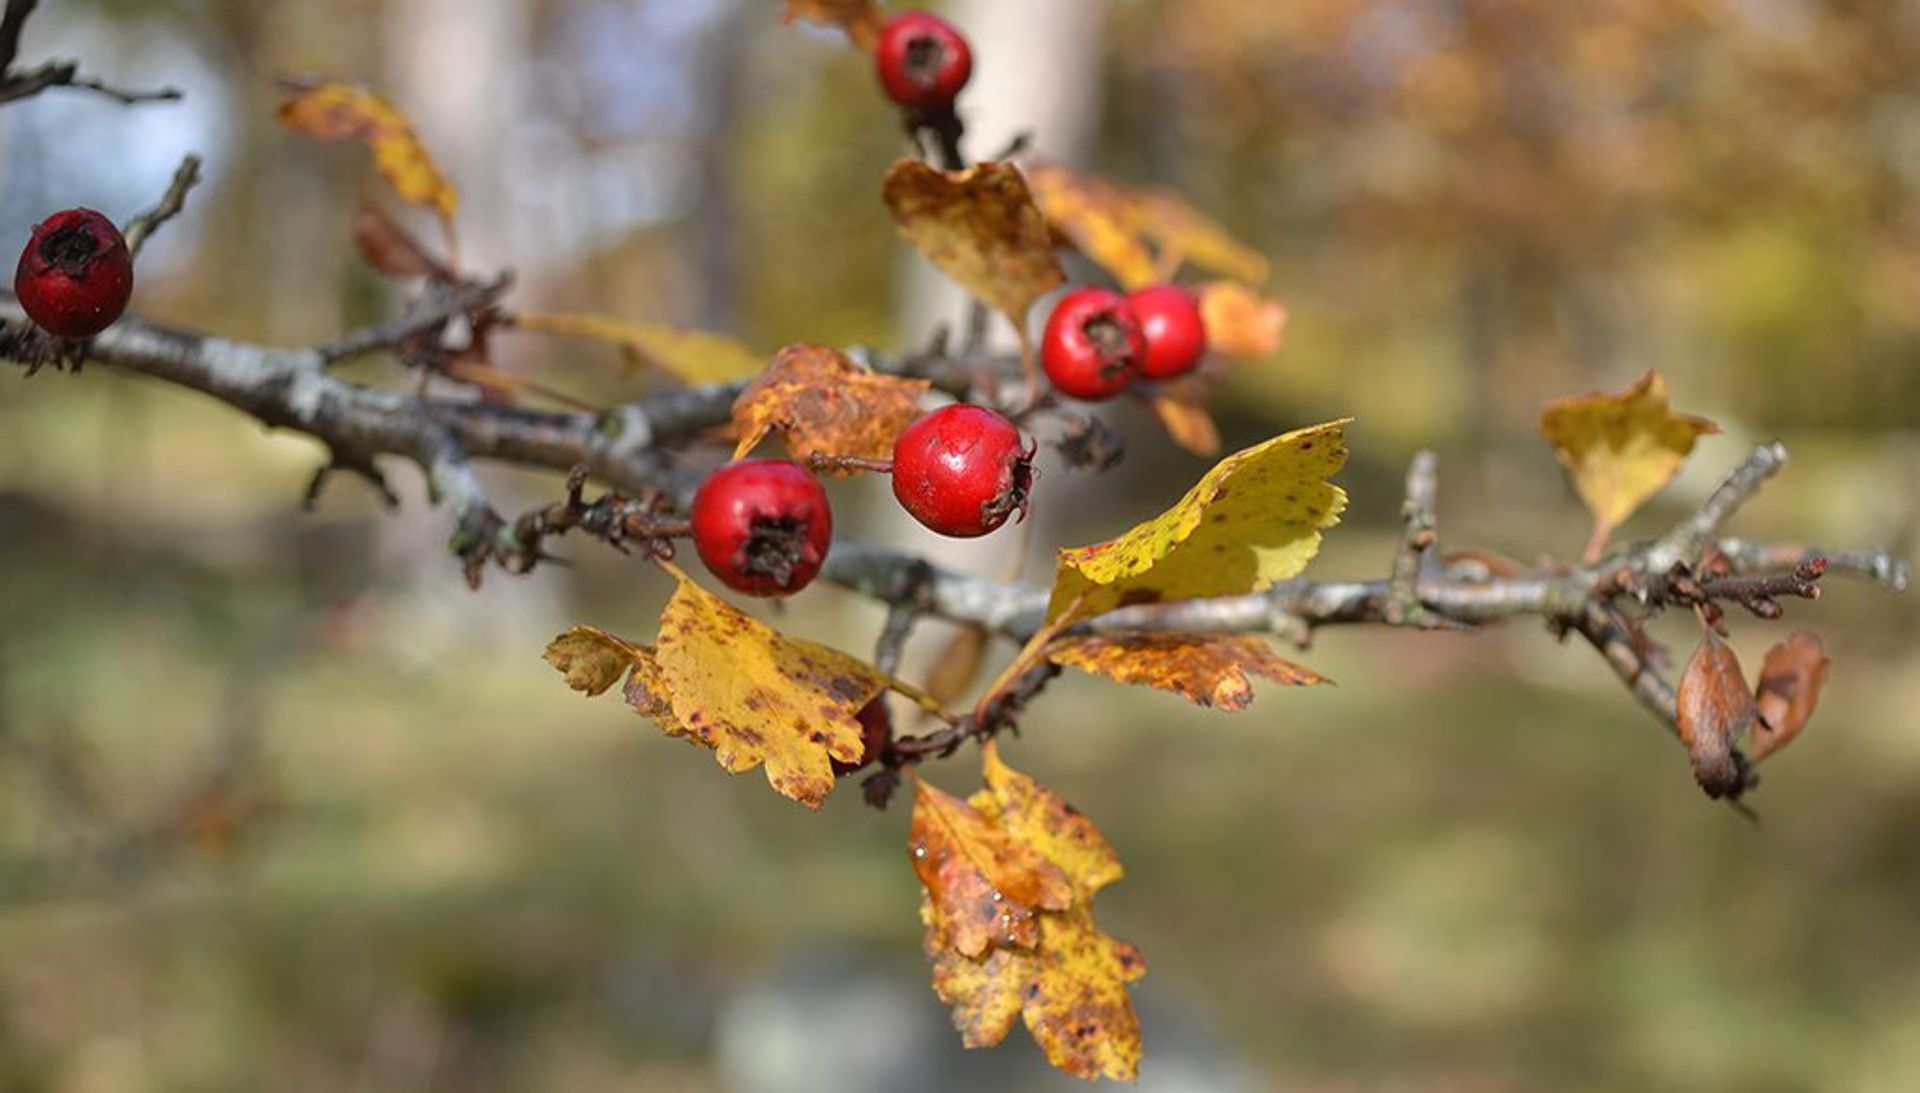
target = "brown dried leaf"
x: 861, y: 19
x: 337, y: 111
x: 1240, y: 322
x: 1790, y: 682
x: 390, y: 248
x: 1187, y: 422
x: 1209, y: 670
x: 823, y: 402
x: 758, y: 698
x: 1716, y: 709
x: 981, y: 227
x: 1620, y: 449
x: 985, y: 885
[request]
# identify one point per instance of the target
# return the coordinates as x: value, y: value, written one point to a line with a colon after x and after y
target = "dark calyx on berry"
x: 762, y: 526
x: 71, y: 250
x: 776, y: 546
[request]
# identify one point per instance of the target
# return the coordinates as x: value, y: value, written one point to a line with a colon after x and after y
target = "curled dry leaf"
x: 1620, y: 449
x: 861, y: 19
x: 695, y: 356
x: 1254, y: 519
x: 981, y: 227
x: 1071, y: 985
x: 758, y: 698
x: 1716, y: 709
x: 591, y: 659
x: 1208, y: 670
x: 391, y: 249
x: 1139, y: 236
x: 984, y: 886
x: 1789, y: 689
x: 337, y: 111
x: 1240, y: 322
x: 823, y: 402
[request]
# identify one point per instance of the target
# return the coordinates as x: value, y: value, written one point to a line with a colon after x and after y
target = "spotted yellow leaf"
x: 1205, y: 669
x: 1252, y: 520
x: 981, y: 227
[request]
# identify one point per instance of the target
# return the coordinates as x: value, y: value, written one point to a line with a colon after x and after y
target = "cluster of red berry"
x: 1097, y: 341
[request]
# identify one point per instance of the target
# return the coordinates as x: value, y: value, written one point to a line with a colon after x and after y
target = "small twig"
x: 25, y: 85
x: 1686, y: 542
x: 1878, y: 566
x: 460, y: 300
x: 1414, y: 554
x: 824, y: 461
x: 142, y: 227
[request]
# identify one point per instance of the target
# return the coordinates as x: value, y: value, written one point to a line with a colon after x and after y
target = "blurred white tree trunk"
x: 459, y: 69
x: 1036, y: 71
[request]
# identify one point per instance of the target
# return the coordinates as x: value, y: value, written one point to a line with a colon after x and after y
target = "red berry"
x: 923, y: 61
x: 876, y: 732
x: 1093, y: 346
x: 762, y: 526
x: 962, y: 470
x: 75, y: 276
x: 1176, y: 334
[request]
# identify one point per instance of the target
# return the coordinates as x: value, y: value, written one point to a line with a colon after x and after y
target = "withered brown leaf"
x: 1716, y: 709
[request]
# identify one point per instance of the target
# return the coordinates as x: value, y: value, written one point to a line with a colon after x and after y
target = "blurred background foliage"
x: 283, y: 806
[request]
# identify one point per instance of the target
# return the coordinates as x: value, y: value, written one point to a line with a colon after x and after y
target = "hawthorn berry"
x: 923, y: 61
x: 75, y: 275
x: 762, y: 526
x: 876, y: 732
x: 1093, y: 346
x: 1175, y: 331
x: 962, y: 470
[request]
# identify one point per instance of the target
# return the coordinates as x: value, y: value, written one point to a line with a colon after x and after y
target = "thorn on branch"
x: 361, y: 466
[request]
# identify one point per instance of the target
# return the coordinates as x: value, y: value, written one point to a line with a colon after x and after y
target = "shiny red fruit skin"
x: 75, y: 275
x: 1175, y: 331
x: 923, y: 61
x: 962, y: 470
x: 762, y: 526
x: 1093, y: 346
x: 876, y: 732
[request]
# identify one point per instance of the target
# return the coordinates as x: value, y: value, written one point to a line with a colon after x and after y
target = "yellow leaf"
x: 1102, y: 221
x: 758, y: 698
x: 1620, y: 449
x: 825, y: 403
x: 590, y: 658
x: 1254, y: 519
x: 861, y: 19
x: 981, y: 227
x: 1139, y: 236
x: 336, y: 111
x: 1240, y: 322
x: 985, y: 886
x: 1187, y: 422
x: 1184, y: 232
x: 1209, y: 670
x: 1070, y: 987
x: 695, y: 356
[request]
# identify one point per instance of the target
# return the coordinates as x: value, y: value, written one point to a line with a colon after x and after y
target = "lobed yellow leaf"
x: 1139, y: 236
x: 1252, y: 520
x: 1070, y: 986
x: 1209, y: 670
x: 1100, y: 219
x: 1240, y: 322
x: 861, y: 19
x: 1620, y: 449
x: 823, y: 402
x: 981, y: 227
x: 758, y: 698
x: 985, y: 885
x: 337, y: 111
x: 695, y: 356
